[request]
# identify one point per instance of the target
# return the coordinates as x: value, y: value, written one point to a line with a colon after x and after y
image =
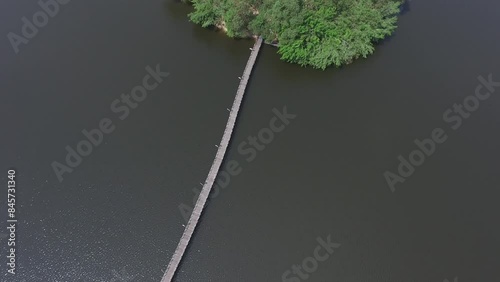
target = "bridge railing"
x: 214, y: 169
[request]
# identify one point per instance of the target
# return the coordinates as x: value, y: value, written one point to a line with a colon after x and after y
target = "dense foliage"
x: 316, y: 33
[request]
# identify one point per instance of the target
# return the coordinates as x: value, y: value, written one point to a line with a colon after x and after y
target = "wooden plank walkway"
x: 212, y: 174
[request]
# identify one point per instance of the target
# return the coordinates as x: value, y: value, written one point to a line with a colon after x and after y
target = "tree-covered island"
x: 316, y: 33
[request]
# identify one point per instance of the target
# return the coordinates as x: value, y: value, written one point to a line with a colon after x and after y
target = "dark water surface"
x: 116, y: 216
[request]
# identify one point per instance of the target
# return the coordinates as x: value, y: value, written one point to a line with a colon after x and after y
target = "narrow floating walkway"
x: 212, y: 174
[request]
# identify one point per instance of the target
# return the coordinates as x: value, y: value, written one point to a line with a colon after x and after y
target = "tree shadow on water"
x: 210, y: 37
x: 177, y: 9
x: 404, y: 9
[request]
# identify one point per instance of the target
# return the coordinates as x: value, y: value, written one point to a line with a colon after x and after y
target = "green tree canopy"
x: 316, y: 33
